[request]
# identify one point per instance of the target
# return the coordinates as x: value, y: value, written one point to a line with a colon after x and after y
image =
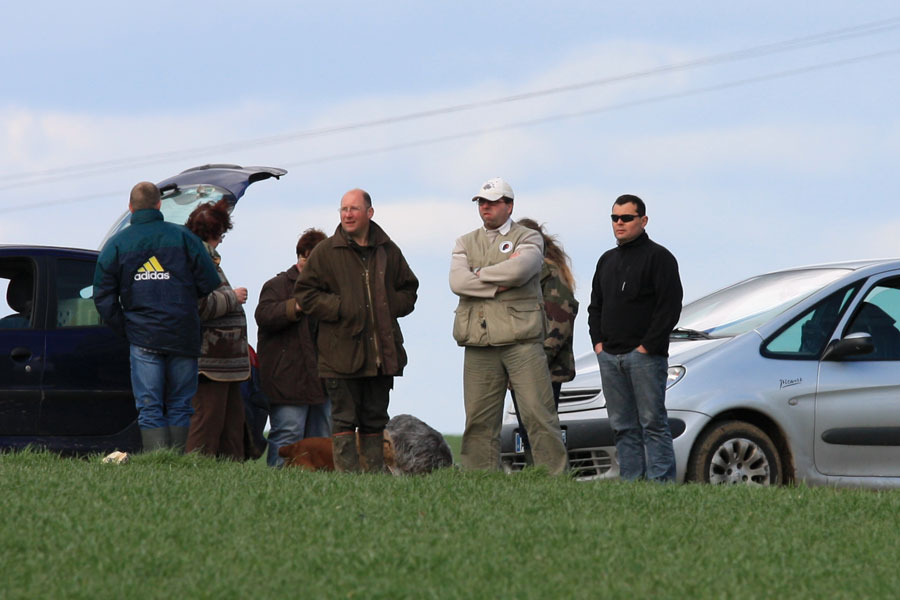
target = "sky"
x: 761, y: 135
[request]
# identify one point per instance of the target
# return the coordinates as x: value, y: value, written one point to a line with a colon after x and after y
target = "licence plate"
x: 519, y: 446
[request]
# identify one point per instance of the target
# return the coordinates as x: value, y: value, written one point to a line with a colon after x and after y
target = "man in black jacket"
x: 635, y: 304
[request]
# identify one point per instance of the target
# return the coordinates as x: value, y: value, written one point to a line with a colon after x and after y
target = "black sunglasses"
x: 624, y: 218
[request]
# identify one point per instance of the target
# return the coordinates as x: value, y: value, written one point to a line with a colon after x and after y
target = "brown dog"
x: 317, y: 453
x: 312, y: 454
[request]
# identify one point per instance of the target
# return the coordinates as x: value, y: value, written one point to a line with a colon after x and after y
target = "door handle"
x: 20, y: 353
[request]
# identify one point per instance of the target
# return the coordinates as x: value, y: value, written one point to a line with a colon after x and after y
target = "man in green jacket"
x: 357, y: 284
x: 495, y: 271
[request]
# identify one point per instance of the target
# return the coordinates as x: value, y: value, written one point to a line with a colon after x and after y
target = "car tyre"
x: 734, y: 452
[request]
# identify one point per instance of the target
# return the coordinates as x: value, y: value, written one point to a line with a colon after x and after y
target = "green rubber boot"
x: 178, y: 438
x: 346, y: 455
x: 154, y: 439
x: 371, y: 447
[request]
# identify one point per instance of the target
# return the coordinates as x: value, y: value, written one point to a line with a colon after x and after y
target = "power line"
x: 70, y: 200
x: 533, y: 122
x: 602, y: 109
x: 95, y: 168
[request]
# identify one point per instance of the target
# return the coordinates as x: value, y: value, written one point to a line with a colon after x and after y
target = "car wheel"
x: 735, y: 452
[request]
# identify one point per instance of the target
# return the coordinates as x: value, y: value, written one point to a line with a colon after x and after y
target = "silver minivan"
x: 789, y: 376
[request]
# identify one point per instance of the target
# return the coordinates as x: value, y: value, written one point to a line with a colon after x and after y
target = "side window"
x: 878, y: 315
x: 74, y: 294
x: 17, y: 279
x: 806, y: 336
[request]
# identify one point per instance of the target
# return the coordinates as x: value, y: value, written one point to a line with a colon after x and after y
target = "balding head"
x: 366, y: 198
x: 356, y: 212
x: 144, y: 195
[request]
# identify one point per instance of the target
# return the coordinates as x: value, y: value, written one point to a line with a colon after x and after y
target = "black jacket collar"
x: 636, y: 242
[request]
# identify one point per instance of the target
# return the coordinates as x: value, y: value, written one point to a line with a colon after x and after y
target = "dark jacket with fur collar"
x: 357, y: 294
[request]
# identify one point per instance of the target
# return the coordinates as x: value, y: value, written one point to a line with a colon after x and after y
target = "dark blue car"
x: 64, y: 375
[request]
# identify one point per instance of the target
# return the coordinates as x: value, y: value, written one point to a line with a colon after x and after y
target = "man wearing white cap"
x: 495, y: 271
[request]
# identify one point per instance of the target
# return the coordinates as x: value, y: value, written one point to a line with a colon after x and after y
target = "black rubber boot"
x: 154, y: 439
x: 529, y: 457
x: 346, y: 454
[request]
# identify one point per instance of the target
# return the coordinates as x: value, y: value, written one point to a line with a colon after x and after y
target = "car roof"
x: 860, y: 267
x: 847, y: 264
x: 45, y: 250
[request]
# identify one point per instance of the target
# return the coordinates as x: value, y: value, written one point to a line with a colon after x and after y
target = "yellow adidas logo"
x: 151, y: 265
x: 151, y: 270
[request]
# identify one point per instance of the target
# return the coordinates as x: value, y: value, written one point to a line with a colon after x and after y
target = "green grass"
x: 167, y: 526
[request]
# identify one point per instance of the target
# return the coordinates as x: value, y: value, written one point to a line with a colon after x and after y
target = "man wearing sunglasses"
x: 635, y: 304
x: 495, y: 270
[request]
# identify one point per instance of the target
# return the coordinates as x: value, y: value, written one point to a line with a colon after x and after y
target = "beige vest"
x: 510, y: 317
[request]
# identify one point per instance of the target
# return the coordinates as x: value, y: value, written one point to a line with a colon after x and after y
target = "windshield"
x: 749, y: 304
x: 177, y: 205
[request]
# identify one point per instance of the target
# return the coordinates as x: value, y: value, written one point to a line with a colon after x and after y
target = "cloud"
x: 35, y: 139
x: 46, y: 139
x: 880, y: 240
x: 809, y: 148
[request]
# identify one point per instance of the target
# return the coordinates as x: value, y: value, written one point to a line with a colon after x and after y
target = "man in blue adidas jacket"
x: 146, y: 285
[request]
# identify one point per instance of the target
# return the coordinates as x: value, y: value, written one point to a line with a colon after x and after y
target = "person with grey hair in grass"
x: 412, y: 447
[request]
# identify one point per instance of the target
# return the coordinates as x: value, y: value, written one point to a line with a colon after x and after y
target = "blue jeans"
x: 291, y: 423
x: 163, y: 386
x: 634, y: 385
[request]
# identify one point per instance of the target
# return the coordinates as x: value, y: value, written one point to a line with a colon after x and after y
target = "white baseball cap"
x: 494, y: 189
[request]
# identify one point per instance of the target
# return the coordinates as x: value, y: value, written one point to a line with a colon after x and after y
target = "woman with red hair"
x: 217, y: 426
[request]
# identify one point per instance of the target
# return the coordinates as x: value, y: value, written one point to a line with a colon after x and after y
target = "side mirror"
x: 853, y: 344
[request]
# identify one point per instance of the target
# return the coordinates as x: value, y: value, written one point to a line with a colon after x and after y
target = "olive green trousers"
x: 487, y: 373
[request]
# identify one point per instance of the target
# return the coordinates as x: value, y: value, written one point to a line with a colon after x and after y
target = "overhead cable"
x: 94, y: 168
x: 533, y: 122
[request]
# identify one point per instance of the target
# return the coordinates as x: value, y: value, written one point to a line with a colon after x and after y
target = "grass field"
x: 168, y: 526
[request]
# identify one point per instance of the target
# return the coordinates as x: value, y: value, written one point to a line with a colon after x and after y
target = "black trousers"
x: 360, y: 403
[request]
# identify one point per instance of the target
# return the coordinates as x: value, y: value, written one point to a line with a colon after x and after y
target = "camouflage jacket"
x: 561, y: 307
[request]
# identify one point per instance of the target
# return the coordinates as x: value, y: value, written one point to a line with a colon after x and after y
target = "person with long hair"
x: 558, y: 288
x: 561, y: 307
x: 217, y: 426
